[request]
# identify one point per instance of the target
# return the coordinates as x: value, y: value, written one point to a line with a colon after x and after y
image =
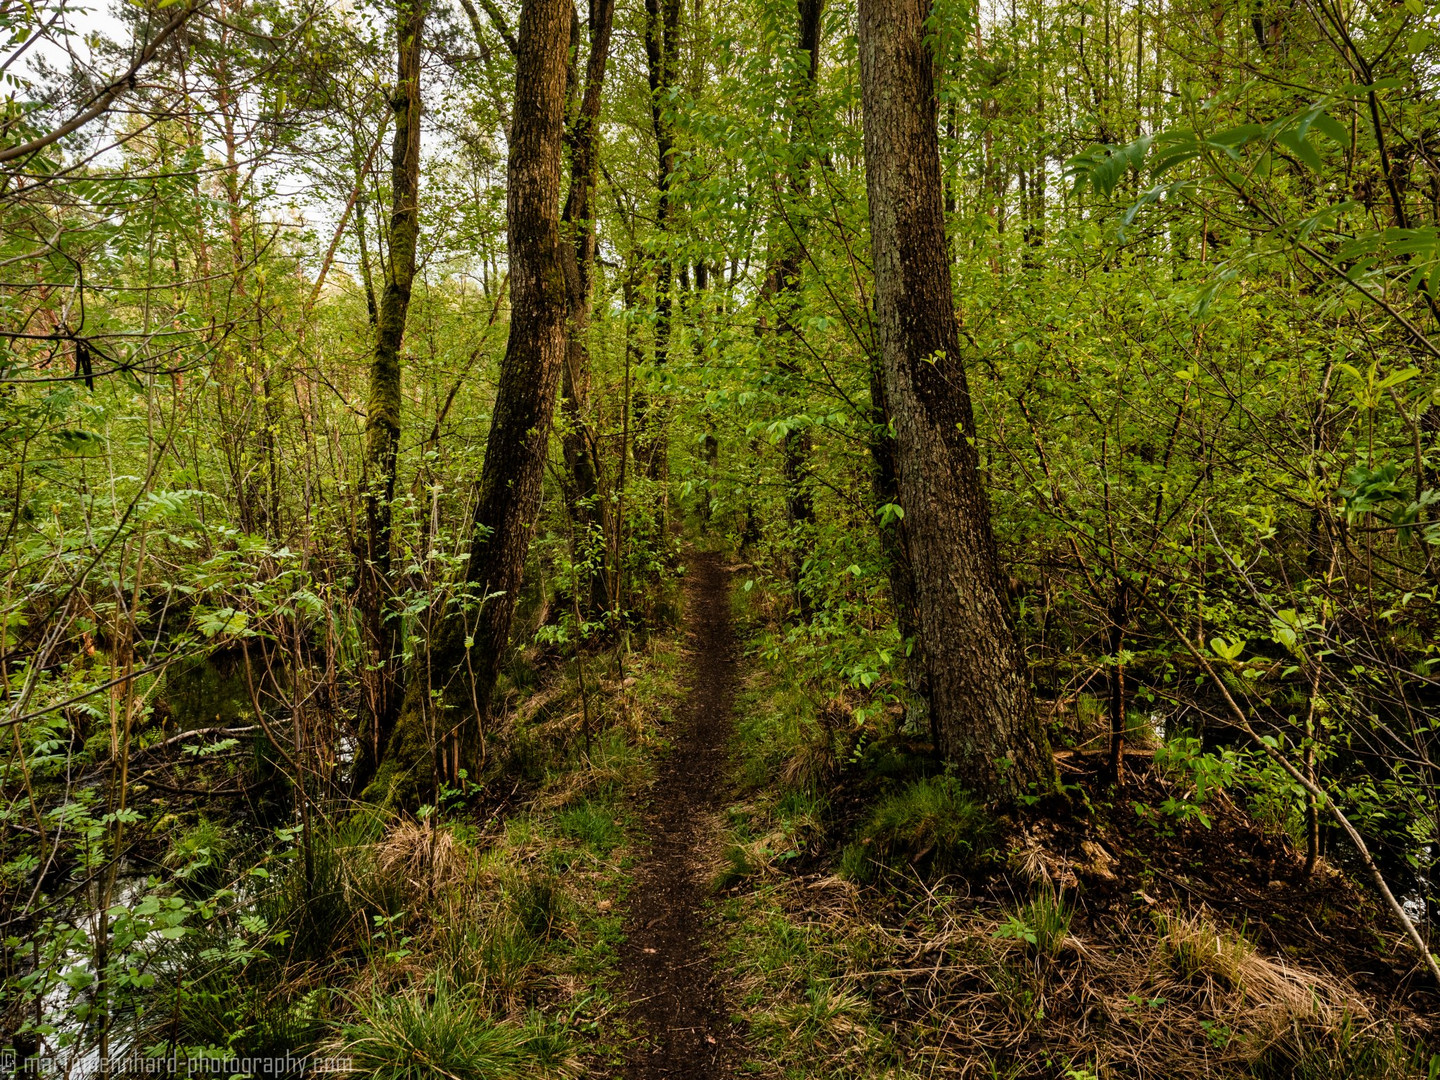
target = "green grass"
x: 779, y: 735
x: 593, y: 824
x: 1348, y: 1050
x: 440, y: 1031
x: 804, y: 1017
x: 930, y: 822
x: 325, y: 906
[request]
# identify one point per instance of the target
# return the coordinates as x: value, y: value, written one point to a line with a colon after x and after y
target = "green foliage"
x: 1041, y: 924
x: 1203, y: 382
x: 200, y: 855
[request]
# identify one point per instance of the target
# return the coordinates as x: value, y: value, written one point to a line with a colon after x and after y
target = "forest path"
x: 678, y: 1002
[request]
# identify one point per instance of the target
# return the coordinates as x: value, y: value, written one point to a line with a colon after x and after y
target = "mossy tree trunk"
x: 662, y: 59
x: 447, y: 697
x: 578, y: 255
x: 983, y: 711
x: 382, y: 672
x: 796, y: 446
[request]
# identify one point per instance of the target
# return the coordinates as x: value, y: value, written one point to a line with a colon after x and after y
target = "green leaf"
x: 1302, y: 148
x: 1227, y: 650
x: 1332, y: 129
x: 77, y: 441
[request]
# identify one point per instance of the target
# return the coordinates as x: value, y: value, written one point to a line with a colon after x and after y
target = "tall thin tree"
x: 578, y: 256
x: 465, y: 656
x: 793, y: 203
x: 662, y: 59
x: 984, y: 714
x: 383, y: 669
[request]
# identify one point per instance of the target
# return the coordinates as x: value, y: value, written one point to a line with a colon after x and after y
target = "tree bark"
x: 799, y: 507
x: 983, y: 711
x: 465, y: 656
x: 662, y: 57
x: 578, y: 442
x: 382, y: 673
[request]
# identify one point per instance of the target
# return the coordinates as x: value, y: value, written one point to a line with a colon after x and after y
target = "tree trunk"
x: 895, y: 545
x: 662, y: 57
x: 381, y: 675
x: 578, y: 256
x: 983, y: 711
x: 465, y: 656
x: 799, y: 507
x: 1119, y: 616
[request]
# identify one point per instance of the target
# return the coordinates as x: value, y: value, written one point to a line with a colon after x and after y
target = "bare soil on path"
x: 678, y: 1000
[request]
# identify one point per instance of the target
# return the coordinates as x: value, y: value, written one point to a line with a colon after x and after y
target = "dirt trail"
x: 678, y: 999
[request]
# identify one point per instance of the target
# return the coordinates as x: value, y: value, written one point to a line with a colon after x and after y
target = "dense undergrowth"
x: 878, y: 920
x: 885, y: 924
x: 473, y: 939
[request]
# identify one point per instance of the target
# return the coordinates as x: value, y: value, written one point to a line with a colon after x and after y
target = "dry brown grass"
x: 426, y: 859
x: 1198, y: 949
x: 1167, y: 996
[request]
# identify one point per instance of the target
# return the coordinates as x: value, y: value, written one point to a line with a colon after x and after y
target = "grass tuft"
x: 1198, y: 949
x: 440, y: 1032
x: 1042, y: 925
x: 931, y: 821
x: 539, y: 901
x: 592, y: 824
x: 736, y: 868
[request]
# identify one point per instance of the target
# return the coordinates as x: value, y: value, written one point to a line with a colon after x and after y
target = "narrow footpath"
x: 678, y: 1004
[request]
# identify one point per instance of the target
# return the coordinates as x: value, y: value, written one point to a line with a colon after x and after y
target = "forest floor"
x: 704, y: 862
x: 667, y: 965
x: 1115, y: 943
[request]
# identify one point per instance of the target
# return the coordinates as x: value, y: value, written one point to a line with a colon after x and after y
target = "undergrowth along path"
x: 678, y: 1001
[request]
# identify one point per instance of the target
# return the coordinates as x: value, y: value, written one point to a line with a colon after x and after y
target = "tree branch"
x: 102, y: 101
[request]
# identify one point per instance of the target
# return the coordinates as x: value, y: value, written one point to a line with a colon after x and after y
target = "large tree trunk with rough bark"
x: 439, y: 734
x: 984, y: 714
x: 381, y: 676
x: 895, y: 544
x: 578, y: 255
